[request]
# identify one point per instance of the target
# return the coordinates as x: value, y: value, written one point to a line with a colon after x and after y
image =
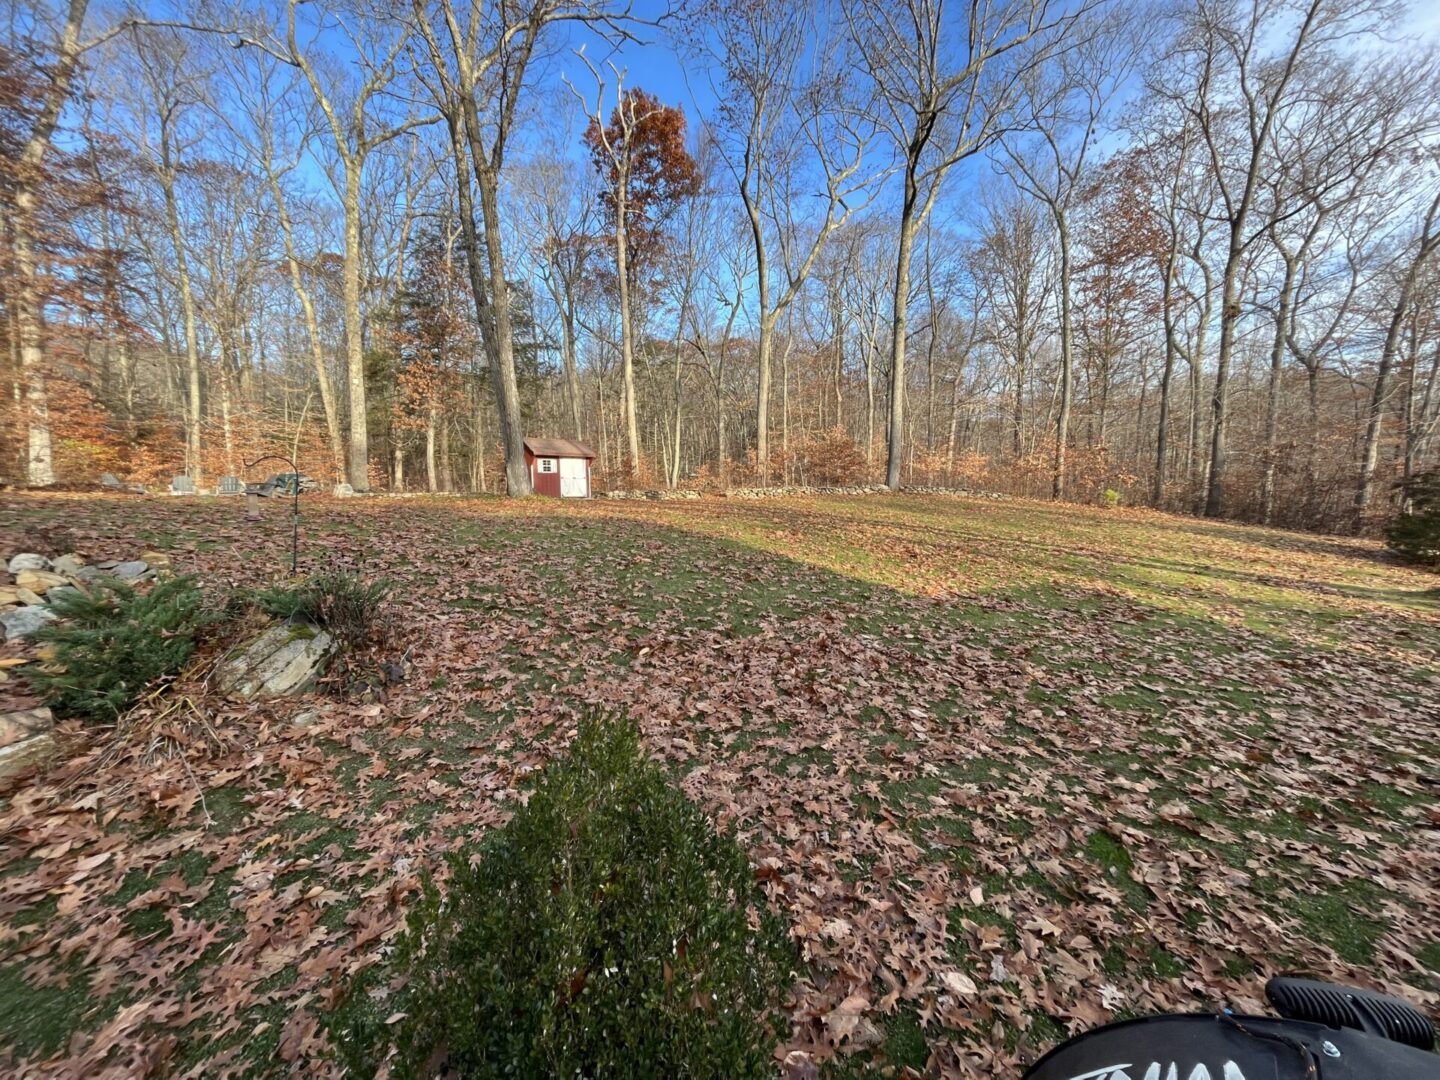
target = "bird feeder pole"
x: 294, y: 506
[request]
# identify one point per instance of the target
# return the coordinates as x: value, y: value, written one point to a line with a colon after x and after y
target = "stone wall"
x: 779, y: 492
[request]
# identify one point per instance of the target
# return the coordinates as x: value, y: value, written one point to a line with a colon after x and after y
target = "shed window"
x: 547, y: 464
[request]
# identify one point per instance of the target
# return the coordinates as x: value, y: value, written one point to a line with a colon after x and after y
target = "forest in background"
x: 1183, y: 253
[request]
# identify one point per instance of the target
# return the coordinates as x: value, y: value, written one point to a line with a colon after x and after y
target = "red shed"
x: 559, y: 467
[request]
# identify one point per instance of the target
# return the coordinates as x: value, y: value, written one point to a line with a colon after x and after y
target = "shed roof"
x: 558, y: 448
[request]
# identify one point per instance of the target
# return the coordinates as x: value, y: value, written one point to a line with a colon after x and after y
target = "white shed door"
x: 572, y: 478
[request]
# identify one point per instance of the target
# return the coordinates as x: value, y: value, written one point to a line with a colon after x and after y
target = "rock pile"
x: 37, y: 581
x: 776, y: 492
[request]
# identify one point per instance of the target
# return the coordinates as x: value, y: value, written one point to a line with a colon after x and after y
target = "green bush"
x: 1415, y: 535
x: 607, y: 930
x: 339, y: 601
x: 113, y: 640
x: 1110, y: 499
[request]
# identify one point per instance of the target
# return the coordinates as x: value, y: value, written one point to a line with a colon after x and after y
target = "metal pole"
x: 294, y: 507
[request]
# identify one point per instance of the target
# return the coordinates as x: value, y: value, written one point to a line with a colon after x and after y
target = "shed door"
x: 572, y: 478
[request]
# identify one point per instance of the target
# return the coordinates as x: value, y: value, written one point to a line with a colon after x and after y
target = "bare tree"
x: 1228, y: 74
x: 1064, y: 106
x: 171, y: 87
x: 479, y: 61
x: 1421, y: 250
x: 65, y: 47
x: 617, y: 143
x: 798, y: 141
x: 355, y: 131
x: 944, y: 87
x: 1360, y: 113
x: 260, y: 136
x: 561, y: 202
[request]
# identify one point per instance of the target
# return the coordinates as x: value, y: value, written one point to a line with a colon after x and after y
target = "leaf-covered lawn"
x: 1009, y: 769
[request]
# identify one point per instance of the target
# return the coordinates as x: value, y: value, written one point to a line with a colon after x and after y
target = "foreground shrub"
x: 113, y: 640
x: 607, y: 930
x: 338, y: 601
x: 1416, y: 535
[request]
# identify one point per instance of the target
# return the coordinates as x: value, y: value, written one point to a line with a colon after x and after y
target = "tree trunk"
x: 785, y: 405
x: 39, y: 461
x: 1375, y: 415
x: 1379, y: 397
x: 1220, y: 399
x: 1272, y: 397
x: 227, y: 433
x: 507, y: 390
x: 445, y: 480
x: 766, y: 328
x: 194, y: 417
x: 492, y: 305
x: 27, y: 302
x: 572, y: 372
x: 1162, y: 424
x: 312, y: 329
x: 895, y: 442
x: 359, y: 448
x: 1422, y: 417
x: 1067, y: 363
x: 627, y: 333
x: 432, y: 483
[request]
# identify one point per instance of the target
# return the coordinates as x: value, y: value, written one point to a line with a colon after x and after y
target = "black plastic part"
x: 1346, y: 1007
x: 1230, y: 1047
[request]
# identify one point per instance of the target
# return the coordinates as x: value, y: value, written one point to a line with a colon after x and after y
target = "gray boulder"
x: 60, y: 591
x: 27, y: 753
x: 18, y: 726
x: 135, y: 570
x: 68, y: 565
x: 286, y: 659
x: 27, y: 560
x: 21, y: 622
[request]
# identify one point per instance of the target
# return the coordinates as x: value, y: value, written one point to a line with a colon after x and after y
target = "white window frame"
x: 547, y: 465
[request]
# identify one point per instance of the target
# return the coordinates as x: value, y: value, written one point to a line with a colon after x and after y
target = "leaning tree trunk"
x: 492, y: 297
x: 1379, y: 398
x: 507, y: 390
x: 1375, y: 416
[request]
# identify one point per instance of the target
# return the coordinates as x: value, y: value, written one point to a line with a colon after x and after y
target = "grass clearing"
x: 1141, y: 760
